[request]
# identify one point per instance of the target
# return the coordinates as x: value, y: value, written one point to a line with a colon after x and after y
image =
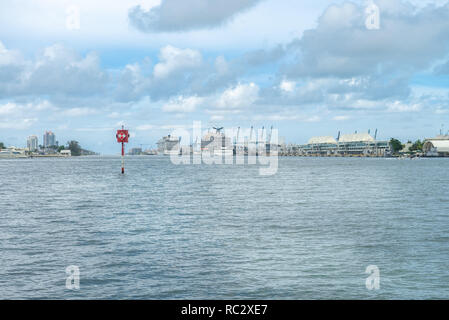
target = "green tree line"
x: 74, y: 148
x: 417, y: 146
x: 72, y: 145
x: 397, y: 145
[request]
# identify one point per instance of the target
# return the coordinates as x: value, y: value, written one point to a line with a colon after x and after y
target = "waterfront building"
x: 135, y: 151
x: 32, y: 143
x: 49, y: 139
x: 324, y: 145
x: 437, y: 147
x: 13, y: 152
x: 362, y: 144
x: 356, y: 144
x: 66, y: 153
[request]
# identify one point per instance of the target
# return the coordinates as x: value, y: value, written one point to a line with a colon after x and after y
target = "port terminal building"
x: 437, y: 147
x: 356, y: 144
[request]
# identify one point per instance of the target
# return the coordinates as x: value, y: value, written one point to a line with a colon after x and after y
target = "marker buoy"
x: 122, y: 137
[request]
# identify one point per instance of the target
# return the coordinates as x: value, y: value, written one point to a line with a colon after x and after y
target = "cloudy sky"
x: 306, y: 67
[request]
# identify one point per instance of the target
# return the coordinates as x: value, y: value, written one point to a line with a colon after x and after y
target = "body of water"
x: 165, y: 231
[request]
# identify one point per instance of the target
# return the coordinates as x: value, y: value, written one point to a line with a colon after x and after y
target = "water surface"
x: 163, y: 231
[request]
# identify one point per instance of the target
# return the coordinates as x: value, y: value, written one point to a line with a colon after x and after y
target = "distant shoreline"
x: 164, y: 156
x: 45, y: 156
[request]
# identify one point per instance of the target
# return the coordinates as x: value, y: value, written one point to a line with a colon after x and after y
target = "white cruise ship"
x: 217, y: 143
x: 168, y: 145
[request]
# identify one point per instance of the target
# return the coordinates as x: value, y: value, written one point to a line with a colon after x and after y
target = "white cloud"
x: 145, y: 127
x: 341, y: 118
x: 312, y: 119
x: 221, y: 65
x: 56, y: 71
x: 8, y: 108
x: 95, y: 129
x: 223, y: 111
x: 174, y: 59
x: 114, y: 115
x: 290, y: 115
x: 182, y: 15
x: 217, y: 117
x: 18, y: 124
x: 9, y: 57
x: 338, y: 65
x: 22, y: 110
x: 173, y: 126
x: 12, y: 66
x: 132, y: 84
x: 22, y: 115
x: 61, y: 70
x: 440, y: 110
x: 409, y: 38
x: 337, y: 16
x: 398, y: 106
x: 243, y: 95
x: 79, y: 112
x: 43, y: 105
x: 287, y: 86
x: 275, y: 117
x: 183, y: 104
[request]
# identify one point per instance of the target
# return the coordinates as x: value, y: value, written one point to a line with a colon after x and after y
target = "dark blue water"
x: 163, y: 231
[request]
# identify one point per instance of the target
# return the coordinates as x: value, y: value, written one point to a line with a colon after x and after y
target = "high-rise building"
x: 49, y: 139
x: 32, y: 143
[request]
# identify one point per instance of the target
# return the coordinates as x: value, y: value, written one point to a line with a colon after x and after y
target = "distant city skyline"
x: 152, y: 143
x: 316, y: 71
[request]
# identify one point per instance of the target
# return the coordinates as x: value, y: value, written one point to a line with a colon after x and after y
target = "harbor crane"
x: 269, y: 135
x: 237, y: 137
x: 261, y: 135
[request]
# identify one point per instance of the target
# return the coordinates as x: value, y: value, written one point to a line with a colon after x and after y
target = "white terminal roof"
x: 440, y: 137
x: 440, y: 145
x: 356, y: 137
x: 323, y: 140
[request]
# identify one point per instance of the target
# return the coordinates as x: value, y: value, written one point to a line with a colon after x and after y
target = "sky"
x: 82, y: 69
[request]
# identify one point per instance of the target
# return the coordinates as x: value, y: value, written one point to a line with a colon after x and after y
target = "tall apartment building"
x: 32, y: 143
x: 49, y: 139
